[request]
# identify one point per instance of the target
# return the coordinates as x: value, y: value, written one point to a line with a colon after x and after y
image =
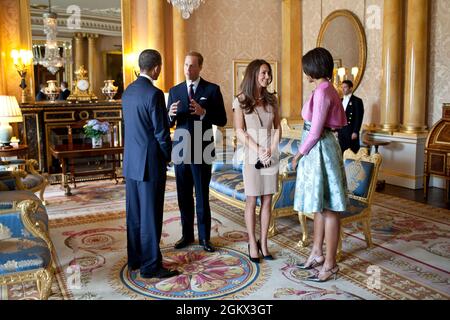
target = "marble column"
x: 291, y: 68
x: 392, y: 65
x: 78, y: 54
x: 156, y: 35
x: 416, y: 67
x: 92, y: 53
x: 179, y: 45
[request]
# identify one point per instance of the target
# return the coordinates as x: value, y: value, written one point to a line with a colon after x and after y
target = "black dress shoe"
x: 160, y: 273
x: 268, y: 257
x: 183, y: 243
x: 206, y: 245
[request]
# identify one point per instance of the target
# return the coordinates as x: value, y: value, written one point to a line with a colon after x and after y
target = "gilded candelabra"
x: 22, y: 60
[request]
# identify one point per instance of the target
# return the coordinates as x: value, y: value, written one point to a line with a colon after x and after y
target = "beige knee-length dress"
x: 259, y: 126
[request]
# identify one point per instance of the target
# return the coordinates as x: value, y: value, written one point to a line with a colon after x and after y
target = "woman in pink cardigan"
x: 321, y: 184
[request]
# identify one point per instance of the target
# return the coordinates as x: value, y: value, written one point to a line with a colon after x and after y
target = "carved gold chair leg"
x: 44, y: 283
x: 367, y: 234
x: 305, y: 237
x: 272, y: 228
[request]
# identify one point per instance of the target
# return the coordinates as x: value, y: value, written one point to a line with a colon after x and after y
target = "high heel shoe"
x: 255, y: 260
x: 331, y: 272
x: 268, y: 257
x: 314, y: 263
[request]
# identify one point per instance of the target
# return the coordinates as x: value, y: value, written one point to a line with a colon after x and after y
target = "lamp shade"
x: 9, y: 109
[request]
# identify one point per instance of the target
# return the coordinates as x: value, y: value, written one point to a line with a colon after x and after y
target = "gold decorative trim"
x: 118, y: 116
x: 84, y: 115
x: 361, y: 35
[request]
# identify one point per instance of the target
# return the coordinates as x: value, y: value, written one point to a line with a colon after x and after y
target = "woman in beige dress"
x: 257, y: 125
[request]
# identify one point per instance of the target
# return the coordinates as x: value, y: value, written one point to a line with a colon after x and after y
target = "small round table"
x: 20, y: 152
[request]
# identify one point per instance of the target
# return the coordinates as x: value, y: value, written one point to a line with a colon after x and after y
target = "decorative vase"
x: 97, y: 142
x: 52, y: 90
x: 109, y: 90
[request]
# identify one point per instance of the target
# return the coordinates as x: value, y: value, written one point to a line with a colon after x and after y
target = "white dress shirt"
x: 346, y: 100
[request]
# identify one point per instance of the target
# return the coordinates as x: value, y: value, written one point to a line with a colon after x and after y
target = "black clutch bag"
x: 260, y: 165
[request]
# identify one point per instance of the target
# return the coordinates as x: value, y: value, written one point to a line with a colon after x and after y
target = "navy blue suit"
x: 147, y: 151
x: 355, y: 114
x: 63, y: 95
x: 191, y: 168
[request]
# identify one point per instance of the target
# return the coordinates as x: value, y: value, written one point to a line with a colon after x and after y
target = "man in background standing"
x: 64, y: 91
x: 348, y: 136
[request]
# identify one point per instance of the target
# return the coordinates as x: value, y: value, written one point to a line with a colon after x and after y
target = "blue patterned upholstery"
x: 20, y: 250
x: 229, y: 183
x: 32, y: 181
x: 289, y: 146
x: 359, y: 175
x: 354, y: 208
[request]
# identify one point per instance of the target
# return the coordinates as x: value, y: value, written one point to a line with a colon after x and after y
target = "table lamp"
x: 9, y: 112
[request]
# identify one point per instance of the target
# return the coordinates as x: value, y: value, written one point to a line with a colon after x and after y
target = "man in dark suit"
x: 354, y: 109
x: 64, y: 91
x: 147, y: 151
x: 41, y: 96
x: 194, y: 106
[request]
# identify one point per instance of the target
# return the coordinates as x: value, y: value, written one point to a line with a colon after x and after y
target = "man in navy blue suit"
x: 147, y: 151
x: 194, y: 106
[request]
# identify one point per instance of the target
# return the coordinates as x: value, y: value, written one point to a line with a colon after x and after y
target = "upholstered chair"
x: 28, y: 179
x: 25, y: 246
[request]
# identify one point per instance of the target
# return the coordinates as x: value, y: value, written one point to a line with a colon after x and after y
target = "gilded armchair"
x: 361, y: 171
x: 28, y: 179
x: 25, y: 246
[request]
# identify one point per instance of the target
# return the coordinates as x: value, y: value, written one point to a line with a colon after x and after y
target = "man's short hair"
x: 65, y: 84
x: 149, y: 59
x: 196, y: 54
x: 348, y: 82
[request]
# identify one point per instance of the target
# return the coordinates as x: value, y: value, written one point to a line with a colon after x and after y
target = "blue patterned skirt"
x: 321, y: 183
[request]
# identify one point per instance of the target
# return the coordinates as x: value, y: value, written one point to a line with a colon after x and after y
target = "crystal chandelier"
x: 186, y: 6
x: 51, y: 60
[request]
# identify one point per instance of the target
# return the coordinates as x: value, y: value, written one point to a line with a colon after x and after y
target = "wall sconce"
x: 341, y: 74
x: 132, y: 63
x: 355, y: 71
x: 22, y: 60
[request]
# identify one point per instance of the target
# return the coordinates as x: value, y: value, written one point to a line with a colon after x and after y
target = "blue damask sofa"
x: 25, y: 246
x: 227, y: 181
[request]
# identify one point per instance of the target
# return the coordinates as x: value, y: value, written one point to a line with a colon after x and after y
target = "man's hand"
x: 196, y: 108
x: 173, y: 108
x: 354, y: 136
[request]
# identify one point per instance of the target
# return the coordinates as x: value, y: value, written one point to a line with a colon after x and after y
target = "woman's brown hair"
x: 248, y: 88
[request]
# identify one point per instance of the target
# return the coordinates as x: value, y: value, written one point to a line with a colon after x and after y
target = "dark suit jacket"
x: 64, y: 94
x: 147, y: 134
x: 41, y: 96
x: 210, y: 98
x: 355, y: 114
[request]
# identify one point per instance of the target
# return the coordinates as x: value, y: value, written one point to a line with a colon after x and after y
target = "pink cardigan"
x: 323, y: 109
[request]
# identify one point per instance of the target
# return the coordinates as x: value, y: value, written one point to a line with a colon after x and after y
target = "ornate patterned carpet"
x: 410, y: 258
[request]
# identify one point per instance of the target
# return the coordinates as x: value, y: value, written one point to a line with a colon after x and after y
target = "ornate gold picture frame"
x: 239, y: 67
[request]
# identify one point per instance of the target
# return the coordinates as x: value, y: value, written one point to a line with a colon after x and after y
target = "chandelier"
x: 51, y: 60
x: 186, y: 7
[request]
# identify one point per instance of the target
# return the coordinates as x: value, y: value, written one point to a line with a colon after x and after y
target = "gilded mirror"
x: 343, y: 35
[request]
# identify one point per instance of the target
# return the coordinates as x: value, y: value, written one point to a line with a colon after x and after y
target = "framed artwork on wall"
x: 239, y: 67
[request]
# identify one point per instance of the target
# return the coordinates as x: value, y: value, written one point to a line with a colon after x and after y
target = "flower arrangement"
x: 95, y: 129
